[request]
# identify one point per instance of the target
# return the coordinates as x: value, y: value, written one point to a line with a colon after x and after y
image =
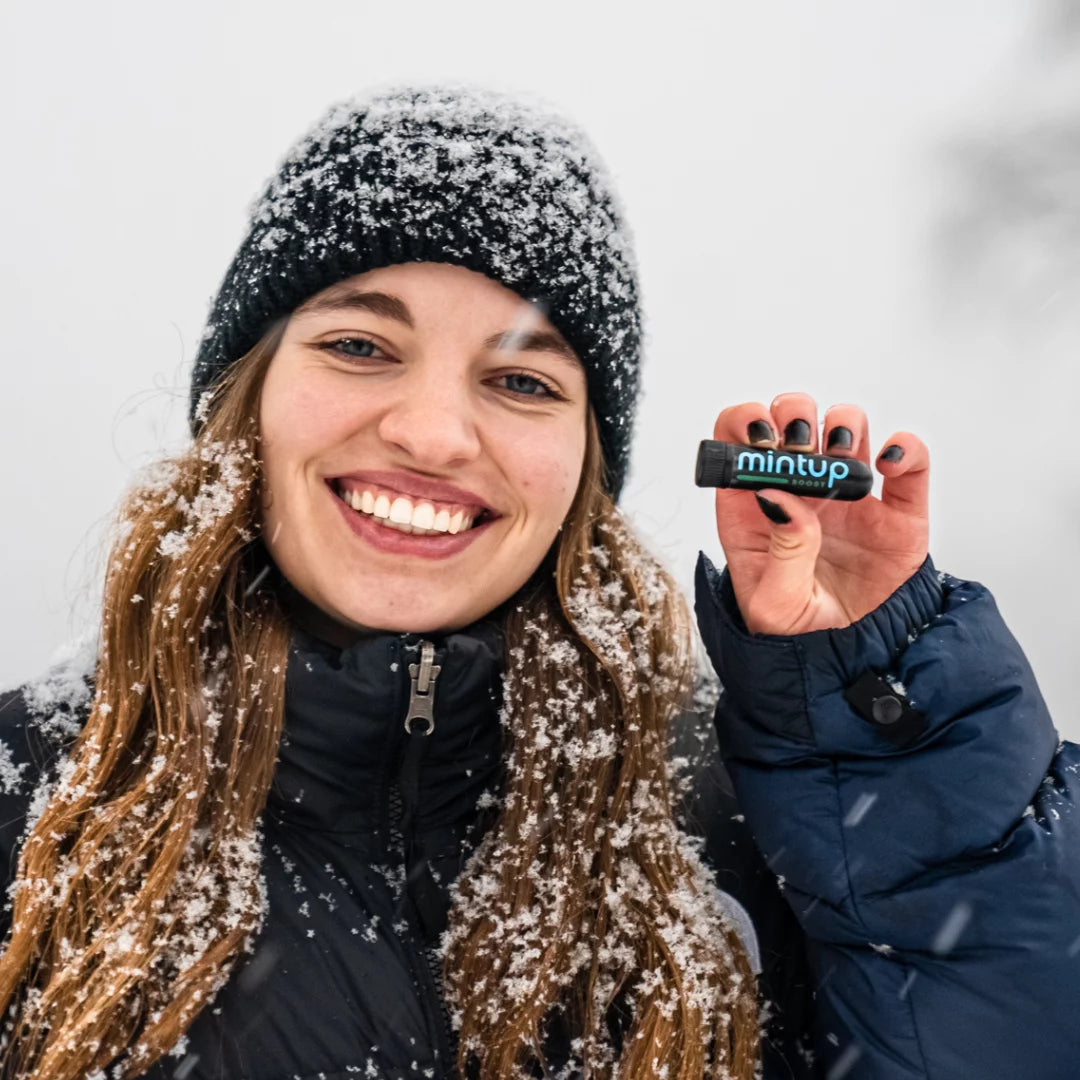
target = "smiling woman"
x: 432, y: 389
x: 427, y: 418
x: 410, y: 413
x: 394, y: 746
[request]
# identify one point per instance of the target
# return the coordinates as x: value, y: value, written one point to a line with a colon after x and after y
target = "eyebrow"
x: 392, y: 307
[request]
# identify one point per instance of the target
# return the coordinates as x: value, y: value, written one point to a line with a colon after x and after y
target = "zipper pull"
x: 422, y: 692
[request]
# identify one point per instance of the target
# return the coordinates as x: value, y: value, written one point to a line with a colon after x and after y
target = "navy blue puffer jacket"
x: 904, y: 779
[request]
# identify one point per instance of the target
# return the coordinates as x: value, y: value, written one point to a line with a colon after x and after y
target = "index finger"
x: 748, y: 423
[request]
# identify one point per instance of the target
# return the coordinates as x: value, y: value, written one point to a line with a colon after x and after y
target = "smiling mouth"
x: 421, y: 517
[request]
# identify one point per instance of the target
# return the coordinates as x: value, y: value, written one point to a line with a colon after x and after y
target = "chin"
x: 405, y: 621
x: 408, y: 606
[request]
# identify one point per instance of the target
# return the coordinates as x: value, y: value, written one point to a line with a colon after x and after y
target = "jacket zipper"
x: 422, y: 690
x: 419, y: 723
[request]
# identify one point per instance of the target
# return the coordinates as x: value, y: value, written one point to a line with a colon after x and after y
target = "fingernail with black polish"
x: 758, y: 431
x: 839, y: 436
x: 774, y: 512
x: 892, y: 453
x: 797, y: 433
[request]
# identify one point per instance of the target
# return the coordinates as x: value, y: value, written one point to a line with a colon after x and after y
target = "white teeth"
x: 403, y: 516
x: 401, y: 512
x: 423, y: 516
x: 398, y: 525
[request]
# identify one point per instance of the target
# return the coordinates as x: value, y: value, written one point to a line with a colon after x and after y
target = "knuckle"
x: 787, y: 544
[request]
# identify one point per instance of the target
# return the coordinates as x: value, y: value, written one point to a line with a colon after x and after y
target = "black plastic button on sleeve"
x: 876, y: 701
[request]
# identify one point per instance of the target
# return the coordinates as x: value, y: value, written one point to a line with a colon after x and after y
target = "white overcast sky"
x: 782, y: 167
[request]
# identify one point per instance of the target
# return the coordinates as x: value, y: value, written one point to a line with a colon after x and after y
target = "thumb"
x: 786, y: 585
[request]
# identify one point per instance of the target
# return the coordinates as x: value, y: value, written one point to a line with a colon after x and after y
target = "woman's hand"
x: 832, y: 562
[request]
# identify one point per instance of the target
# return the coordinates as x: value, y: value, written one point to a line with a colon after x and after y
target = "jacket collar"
x: 346, y: 696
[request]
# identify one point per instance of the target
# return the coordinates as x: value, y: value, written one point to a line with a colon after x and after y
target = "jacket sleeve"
x: 905, y: 782
x: 38, y: 723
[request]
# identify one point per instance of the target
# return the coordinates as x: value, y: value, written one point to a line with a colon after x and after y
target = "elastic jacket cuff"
x: 774, y: 678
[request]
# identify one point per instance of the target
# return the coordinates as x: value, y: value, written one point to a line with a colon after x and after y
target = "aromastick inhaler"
x: 729, y: 465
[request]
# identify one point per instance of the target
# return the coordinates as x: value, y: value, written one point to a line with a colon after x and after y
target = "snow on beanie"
x: 446, y: 173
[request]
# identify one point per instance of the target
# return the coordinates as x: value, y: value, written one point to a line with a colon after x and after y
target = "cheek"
x: 297, y: 424
x: 549, y: 475
x: 294, y: 412
x: 302, y: 418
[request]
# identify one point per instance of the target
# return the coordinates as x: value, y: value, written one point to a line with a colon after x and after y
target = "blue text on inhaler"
x: 752, y: 461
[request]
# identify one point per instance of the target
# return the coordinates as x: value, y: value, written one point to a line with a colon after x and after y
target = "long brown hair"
x: 139, y: 886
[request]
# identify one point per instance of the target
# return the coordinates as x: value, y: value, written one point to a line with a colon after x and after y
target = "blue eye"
x: 338, y: 346
x: 548, y: 391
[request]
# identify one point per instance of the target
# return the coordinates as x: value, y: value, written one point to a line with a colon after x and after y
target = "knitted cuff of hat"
x: 448, y: 173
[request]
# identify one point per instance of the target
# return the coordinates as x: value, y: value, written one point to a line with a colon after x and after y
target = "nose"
x: 431, y: 418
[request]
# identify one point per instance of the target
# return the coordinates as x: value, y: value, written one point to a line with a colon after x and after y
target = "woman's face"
x: 425, y: 391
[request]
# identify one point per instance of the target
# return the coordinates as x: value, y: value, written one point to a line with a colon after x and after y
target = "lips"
x: 416, y: 488
x: 395, y: 510
x: 394, y: 542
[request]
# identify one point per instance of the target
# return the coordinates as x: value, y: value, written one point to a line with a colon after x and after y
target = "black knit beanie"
x: 453, y: 174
